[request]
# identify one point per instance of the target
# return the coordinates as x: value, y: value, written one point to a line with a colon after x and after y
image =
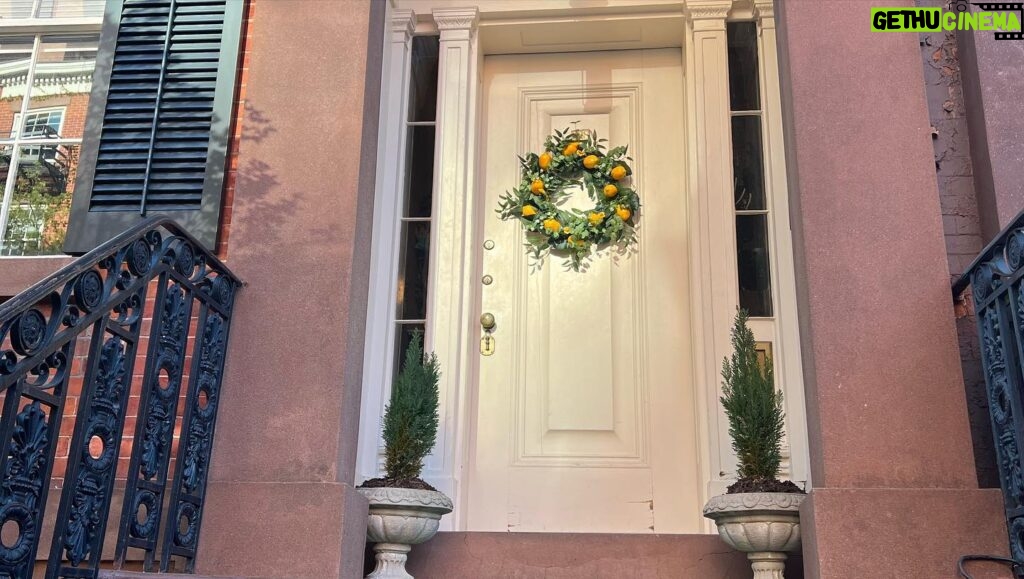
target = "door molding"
x: 466, y: 34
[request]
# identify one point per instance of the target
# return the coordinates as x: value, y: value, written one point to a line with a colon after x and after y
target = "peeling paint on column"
x: 960, y: 218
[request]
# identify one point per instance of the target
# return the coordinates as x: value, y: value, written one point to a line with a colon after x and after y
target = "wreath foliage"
x: 573, y: 157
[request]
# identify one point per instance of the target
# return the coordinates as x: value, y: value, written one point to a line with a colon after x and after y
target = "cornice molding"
x: 708, y: 10
x: 455, y: 18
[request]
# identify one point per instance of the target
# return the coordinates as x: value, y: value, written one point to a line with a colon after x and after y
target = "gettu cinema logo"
x: 1002, y: 18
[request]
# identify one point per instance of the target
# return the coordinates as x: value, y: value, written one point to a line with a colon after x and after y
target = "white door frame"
x: 453, y: 330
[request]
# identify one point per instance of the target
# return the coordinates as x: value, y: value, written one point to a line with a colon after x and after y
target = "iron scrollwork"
x: 192, y: 467
x: 102, y: 296
x: 161, y: 383
x: 84, y: 507
x: 996, y: 280
x: 21, y: 492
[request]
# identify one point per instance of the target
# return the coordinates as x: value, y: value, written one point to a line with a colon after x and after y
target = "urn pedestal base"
x: 768, y: 565
x: 765, y: 526
x: 391, y: 558
x: 400, y: 518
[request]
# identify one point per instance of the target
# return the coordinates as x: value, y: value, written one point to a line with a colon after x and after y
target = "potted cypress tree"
x: 759, y: 514
x: 404, y: 509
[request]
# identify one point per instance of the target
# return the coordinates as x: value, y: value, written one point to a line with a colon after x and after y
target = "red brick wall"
x: 77, y: 379
x: 75, y: 108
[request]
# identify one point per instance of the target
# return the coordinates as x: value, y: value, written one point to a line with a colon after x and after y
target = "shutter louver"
x: 161, y: 131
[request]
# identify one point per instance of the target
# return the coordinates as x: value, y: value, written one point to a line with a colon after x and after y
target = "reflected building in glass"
x: 45, y: 83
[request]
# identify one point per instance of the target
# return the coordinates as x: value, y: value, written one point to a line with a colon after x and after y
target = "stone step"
x: 456, y: 555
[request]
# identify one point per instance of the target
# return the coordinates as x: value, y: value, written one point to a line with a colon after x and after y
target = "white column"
x: 787, y: 354
x: 452, y: 287
x: 712, y: 243
x: 387, y: 209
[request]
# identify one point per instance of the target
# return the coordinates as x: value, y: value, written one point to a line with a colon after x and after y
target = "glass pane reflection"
x: 752, y: 261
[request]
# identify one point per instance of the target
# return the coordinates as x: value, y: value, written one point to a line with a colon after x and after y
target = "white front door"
x: 585, y: 416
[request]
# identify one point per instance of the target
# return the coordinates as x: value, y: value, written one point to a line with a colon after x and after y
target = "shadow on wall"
x: 257, y: 195
x: 257, y: 182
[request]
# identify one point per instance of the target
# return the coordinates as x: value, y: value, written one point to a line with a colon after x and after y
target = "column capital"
x: 455, y: 20
x: 403, y: 25
x: 708, y: 14
x: 764, y: 10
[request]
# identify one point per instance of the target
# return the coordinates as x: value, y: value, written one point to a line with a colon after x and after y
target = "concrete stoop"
x: 570, y: 556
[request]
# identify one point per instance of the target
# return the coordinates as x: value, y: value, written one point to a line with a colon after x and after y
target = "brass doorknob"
x: 487, y: 321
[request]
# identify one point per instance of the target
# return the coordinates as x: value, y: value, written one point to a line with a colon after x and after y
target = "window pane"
x: 52, y: 9
x: 403, y: 336
x: 15, y: 48
x: 16, y: 9
x: 42, y: 124
x: 743, y: 89
x: 15, y: 56
x: 747, y: 163
x: 41, y: 200
x: 412, y: 271
x: 420, y: 174
x: 423, y: 82
x: 63, y: 76
x: 752, y: 261
x: 70, y: 8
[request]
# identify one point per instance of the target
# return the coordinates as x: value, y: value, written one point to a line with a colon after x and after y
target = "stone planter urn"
x: 400, y: 518
x: 765, y: 526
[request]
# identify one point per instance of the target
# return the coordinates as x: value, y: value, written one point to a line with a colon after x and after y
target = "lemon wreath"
x: 569, y: 158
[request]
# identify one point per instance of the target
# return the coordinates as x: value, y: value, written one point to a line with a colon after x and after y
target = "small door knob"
x: 487, y: 321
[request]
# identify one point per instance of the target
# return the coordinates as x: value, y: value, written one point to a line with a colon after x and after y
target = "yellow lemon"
x: 545, y: 160
x: 610, y: 190
x: 552, y: 225
x: 529, y: 210
x: 596, y: 218
x: 571, y: 149
x: 618, y: 172
x: 590, y: 161
x: 537, y: 187
x: 623, y: 212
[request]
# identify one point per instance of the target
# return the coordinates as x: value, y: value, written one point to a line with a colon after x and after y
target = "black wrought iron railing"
x: 996, y: 282
x: 144, y: 318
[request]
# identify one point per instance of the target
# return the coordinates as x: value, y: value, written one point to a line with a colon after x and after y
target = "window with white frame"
x: 749, y: 192
x: 400, y: 282
x: 39, y: 123
x: 45, y: 83
x: 417, y: 195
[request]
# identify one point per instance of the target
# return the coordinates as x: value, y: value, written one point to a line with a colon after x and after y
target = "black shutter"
x: 159, y: 118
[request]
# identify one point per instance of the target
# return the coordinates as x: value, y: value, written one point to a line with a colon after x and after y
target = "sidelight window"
x: 417, y: 195
x: 751, y: 206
